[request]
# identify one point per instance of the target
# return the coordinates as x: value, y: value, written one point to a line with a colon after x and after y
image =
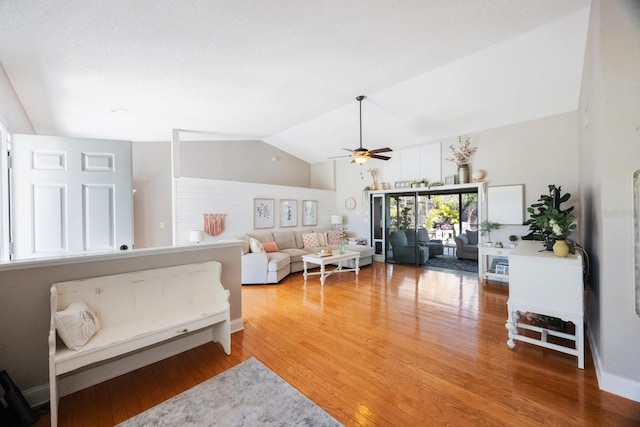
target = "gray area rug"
x: 453, y: 264
x: 249, y: 394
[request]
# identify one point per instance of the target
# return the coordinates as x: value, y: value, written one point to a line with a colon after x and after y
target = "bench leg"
x: 221, y: 332
x: 53, y: 392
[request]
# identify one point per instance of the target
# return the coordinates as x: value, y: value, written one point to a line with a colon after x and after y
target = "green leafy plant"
x: 547, y: 220
x: 486, y: 226
x: 404, y: 220
x: 513, y: 238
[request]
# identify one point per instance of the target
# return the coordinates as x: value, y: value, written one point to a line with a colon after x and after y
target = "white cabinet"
x: 541, y: 283
x: 493, y: 263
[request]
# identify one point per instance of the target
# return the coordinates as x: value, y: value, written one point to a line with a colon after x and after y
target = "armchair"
x: 467, y: 245
x: 435, y: 246
x: 405, y: 253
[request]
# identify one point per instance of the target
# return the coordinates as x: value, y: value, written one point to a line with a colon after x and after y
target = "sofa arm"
x: 254, y: 267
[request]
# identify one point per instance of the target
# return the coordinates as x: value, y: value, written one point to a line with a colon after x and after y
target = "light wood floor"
x: 397, y: 346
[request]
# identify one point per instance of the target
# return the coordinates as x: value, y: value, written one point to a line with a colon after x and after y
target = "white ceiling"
x: 288, y: 72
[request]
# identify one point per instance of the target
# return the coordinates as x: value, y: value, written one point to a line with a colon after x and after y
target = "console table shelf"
x: 541, y: 283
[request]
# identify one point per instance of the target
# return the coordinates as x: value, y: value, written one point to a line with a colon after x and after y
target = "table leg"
x: 322, y: 274
x: 304, y: 263
x: 512, y: 321
x: 357, y: 265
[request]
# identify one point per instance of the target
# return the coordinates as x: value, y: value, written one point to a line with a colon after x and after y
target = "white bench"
x: 137, y: 310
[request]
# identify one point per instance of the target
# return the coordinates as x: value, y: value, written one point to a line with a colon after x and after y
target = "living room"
x: 588, y: 150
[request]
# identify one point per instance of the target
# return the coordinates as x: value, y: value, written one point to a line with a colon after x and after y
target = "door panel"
x: 70, y: 195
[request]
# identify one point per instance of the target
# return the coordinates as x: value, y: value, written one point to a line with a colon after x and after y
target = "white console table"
x: 485, y: 254
x: 541, y: 283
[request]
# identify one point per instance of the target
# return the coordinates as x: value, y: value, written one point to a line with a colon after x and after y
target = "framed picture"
x: 309, y: 212
x: 502, y: 269
x: 263, y: 213
x: 449, y: 180
x: 288, y: 213
x: 403, y: 184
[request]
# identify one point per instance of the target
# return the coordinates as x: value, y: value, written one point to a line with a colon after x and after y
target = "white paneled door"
x: 70, y: 196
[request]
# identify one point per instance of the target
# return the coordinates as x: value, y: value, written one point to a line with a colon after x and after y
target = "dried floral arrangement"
x: 463, y: 152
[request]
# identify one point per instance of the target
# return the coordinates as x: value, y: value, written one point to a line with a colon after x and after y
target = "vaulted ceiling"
x: 288, y: 72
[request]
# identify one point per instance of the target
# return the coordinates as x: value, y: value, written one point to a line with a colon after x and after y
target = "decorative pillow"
x: 270, y: 247
x: 255, y: 245
x: 473, y: 237
x: 310, y: 240
x: 333, y: 237
x: 322, y: 239
x: 76, y: 324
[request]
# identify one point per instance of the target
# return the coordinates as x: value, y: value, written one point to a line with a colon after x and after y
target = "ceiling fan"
x: 361, y: 155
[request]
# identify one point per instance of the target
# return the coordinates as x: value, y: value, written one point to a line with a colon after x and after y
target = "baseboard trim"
x: 609, y: 382
x: 39, y: 395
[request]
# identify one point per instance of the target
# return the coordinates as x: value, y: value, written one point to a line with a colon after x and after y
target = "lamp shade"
x: 336, y: 219
x: 196, y: 236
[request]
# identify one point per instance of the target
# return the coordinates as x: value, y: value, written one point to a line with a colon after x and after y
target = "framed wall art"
x: 309, y: 212
x: 288, y: 213
x: 263, y: 213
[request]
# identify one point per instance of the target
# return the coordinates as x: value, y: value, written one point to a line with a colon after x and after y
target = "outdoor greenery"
x: 404, y: 220
x: 444, y: 213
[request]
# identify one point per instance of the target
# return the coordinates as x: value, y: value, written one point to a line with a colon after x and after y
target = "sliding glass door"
x: 422, y: 223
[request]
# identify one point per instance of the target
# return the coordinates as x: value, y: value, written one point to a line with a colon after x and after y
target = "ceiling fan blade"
x: 375, y: 156
x: 348, y: 149
x: 380, y: 150
x: 339, y: 157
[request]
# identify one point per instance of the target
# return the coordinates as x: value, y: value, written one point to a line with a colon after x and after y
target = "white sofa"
x: 271, y: 267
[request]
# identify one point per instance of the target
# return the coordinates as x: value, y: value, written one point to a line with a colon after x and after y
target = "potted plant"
x: 461, y: 155
x: 404, y: 220
x: 513, y: 239
x: 486, y: 226
x: 548, y: 222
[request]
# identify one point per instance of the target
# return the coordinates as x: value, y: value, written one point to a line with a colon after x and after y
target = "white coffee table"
x: 323, y: 260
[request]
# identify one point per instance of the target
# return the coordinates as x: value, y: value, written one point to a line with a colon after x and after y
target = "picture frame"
x: 263, y: 213
x: 402, y: 184
x: 502, y: 269
x: 309, y: 212
x: 288, y: 213
x: 450, y: 180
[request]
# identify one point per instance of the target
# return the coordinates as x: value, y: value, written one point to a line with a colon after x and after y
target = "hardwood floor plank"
x: 398, y: 346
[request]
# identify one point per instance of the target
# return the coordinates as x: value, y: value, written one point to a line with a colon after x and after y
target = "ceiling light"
x: 360, y: 158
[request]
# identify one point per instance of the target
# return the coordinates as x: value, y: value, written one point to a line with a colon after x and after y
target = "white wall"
x: 12, y: 112
x: 535, y: 153
x: 196, y: 197
x: 152, y: 198
x: 610, y: 153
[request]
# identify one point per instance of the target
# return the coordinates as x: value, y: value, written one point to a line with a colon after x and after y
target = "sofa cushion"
x: 246, y: 248
x: 310, y: 240
x: 333, y: 237
x: 270, y: 247
x: 278, y: 260
x: 473, y: 237
x: 322, y: 238
x: 296, y: 254
x: 299, y: 241
x: 284, y: 239
x: 464, y: 238
x: 255, y: 245
x: 263, y: 237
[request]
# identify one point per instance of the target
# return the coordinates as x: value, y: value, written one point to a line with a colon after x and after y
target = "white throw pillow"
x: 76, y: 324
x: 322, y: 239
x: 310, y: 240
x: 255, y: 245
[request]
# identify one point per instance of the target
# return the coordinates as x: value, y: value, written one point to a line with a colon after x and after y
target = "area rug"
x: 249, y: 394
x: 453, y: 264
